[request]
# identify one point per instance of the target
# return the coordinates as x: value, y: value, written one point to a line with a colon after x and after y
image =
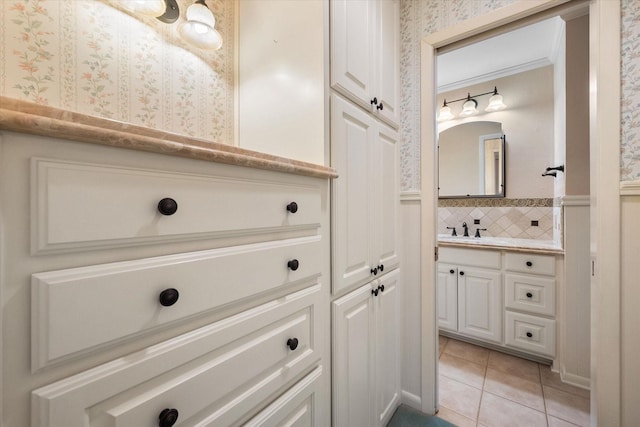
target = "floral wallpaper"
x: 421, y: 18
x: 92, y: 57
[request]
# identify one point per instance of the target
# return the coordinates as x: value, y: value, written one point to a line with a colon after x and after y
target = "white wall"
x: 281, y: 78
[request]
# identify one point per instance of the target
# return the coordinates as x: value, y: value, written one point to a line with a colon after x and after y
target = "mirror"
x: 471, y: 160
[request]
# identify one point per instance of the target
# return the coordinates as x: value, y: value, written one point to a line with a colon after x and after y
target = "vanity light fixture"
x: 166, y: 11
x: 199, y: 27
x: 470, y: 105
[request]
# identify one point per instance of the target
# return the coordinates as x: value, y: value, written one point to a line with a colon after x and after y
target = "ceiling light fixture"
x: 199, y: 27
x: 470, y: 105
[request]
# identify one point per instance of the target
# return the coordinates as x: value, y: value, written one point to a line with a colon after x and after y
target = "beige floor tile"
x: 496, y: 411
x: 522, y: 368
x: 462, y: 370
x: 466, y: 351
x: 556, y: 422
x: 566, y: 406
x: 459, y: 397
x: 455, y: 418
x: 514, y: 388
x: 553, y: 379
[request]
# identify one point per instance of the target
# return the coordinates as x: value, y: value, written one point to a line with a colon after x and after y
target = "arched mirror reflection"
x: 472, y: 160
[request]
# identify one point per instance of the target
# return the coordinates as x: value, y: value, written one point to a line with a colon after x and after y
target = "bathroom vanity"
x: 501, y: 293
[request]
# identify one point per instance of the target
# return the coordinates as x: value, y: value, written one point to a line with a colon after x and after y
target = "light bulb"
x: 145, y: 7
x: 469, y: 107
x: 199, y: 29
x: 495, y: 103
x: 445, y: 114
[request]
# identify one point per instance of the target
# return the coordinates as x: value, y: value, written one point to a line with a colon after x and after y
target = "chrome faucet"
x: 466, y: 229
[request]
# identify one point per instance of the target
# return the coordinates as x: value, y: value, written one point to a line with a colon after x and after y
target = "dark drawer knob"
x: 529, y: 295
x: 168, y: 297
x: 529, y: 264
x: 451, y: 271
x: 462, y: 273
x: 529, y: 334
x: 293, y: 264
x: 375, y: 292
x: 292, y: 207
x: 292, y: 343
x: 380, y: 107
x: 374, y: 271
x: 374, y: 101
x: 381, y: 287
x: 167, y: 206
x: 167, y: 417
x: 381, y: 268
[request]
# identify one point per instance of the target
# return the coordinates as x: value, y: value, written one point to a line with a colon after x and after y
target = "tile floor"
x: 485, y: 388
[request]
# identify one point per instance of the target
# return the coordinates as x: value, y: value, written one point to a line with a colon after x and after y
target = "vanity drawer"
x: 76, y: 310
x: 80, y: 205
x: 298, y: 406
x: 530, y: 293
x: 530, y: 263
x: 212, y: 376
x: 471, y: 257
x: 531, y: 333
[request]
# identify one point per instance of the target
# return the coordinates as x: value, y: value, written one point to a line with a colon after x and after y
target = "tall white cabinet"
x: 365, y: 205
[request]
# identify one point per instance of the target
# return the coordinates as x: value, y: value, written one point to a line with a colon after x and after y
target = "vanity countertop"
x: 35, y: 119
x: 523, y: 245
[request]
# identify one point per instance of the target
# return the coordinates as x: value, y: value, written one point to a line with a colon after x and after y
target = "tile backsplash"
x: 512, y: 218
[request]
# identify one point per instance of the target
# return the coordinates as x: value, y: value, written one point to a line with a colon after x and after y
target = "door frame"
x: 604, y: 77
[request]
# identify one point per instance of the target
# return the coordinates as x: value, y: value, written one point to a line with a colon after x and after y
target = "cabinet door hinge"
x: 436, y: 253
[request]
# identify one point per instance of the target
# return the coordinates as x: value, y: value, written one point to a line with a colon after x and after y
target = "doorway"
x: 604, y: 51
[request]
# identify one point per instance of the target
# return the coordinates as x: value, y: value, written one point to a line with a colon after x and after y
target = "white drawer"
x: 212, y: 376
x: 530, y: 263
x: 473, y: 257
x: 530, y: 293
x: 78, y: 205
x: 297, y: 407
x: 531, y: 333
x: 77, y: 309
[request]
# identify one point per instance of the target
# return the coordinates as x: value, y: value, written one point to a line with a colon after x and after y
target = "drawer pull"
x: 529, y: 295
x: 292, y: 343
x: 168, y: 297
x: 374, y: 271
x: 529, y: 264
x: 167, y: 417
x: 381, y: 267
x: 167, y: 206
x: 381, y: 287
x: 462, y: 273
x: 451, y: 271
x: 293, y: 264
x: 292, y: 207
x: 375, y: 291
x: 529, y: 335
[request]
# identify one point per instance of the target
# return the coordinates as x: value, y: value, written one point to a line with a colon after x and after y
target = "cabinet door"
x: 480, y: 304
x: 447, y: 297
x: 385, y: 200
x: 388, y: 61
x: 352, y: 133
x: 352, y: 32
x: 387, y: 348
x: 353, y: 366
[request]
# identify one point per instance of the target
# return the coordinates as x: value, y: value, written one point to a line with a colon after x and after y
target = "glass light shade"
x: 145, y: 7
x: 495, y: 103
x: 469, y: 108
x: 445, y: 114
x: 199, y: 30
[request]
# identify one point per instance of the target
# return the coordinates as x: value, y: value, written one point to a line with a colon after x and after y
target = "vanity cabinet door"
x: 447, y: 297
x: 480, y: 307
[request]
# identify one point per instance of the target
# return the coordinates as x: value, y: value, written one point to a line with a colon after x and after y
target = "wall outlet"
x: 534, y: 223
x: 476, y: 221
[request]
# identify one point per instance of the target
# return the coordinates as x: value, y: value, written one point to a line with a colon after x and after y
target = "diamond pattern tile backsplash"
x: 502, y: 221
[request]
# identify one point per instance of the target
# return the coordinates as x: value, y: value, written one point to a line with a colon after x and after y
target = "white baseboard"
x: 575, y: 380
x: 411, y: 400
